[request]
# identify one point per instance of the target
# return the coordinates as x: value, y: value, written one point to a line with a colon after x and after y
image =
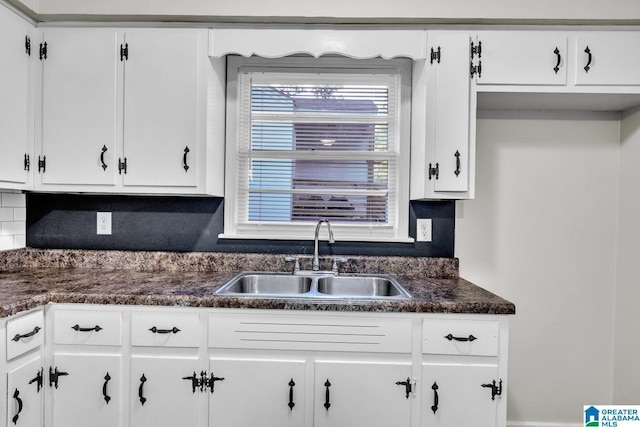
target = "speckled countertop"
x: 32, y: 277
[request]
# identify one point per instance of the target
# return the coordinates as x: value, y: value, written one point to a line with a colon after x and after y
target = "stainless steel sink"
x: 314, y: 285
x: 366, y: 286
x: 260, y: 283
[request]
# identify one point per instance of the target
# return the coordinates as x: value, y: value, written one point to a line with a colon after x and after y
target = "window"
x: 317, y: 138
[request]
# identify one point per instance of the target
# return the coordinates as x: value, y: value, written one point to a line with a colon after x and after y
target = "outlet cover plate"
x: 104, y: 223
x: 423, y: 230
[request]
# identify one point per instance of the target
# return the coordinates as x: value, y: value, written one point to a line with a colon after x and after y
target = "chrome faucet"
x: 316, y: 258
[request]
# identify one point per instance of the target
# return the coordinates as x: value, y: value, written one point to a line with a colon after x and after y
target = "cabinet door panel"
x: 25, y: 396
x: 90, y: 393
x: 159, y: 394
x: 461, y: 399
x: 361, y: 394
x: 161, y: 108
x: 615, y: 59
x: 79, y: 107
x: 262, y: 384
x: 14, y: 102
x: 452, y: 93
x: 523, y: 58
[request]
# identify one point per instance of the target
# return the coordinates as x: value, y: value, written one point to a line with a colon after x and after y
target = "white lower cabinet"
x: 362, y: 393
x: 257, y: 392
x: 455, y: 395
x: 134, y: 366
x: 161, y: 393
x: 86, y: 389
x: 25, y: 384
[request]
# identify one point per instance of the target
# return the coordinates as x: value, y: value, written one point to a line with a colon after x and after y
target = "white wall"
x: 330, y: 10
x: 627, y: 366
x: 542, y: 233
x: 13, y: 215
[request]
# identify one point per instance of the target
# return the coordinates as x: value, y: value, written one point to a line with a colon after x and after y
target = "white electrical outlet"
x: 423, y: 230
x: 104, y: 223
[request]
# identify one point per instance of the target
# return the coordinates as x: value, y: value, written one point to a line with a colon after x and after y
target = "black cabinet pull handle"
x: 457, y: 156
x: 495, y: 390
x: 470, y: 338
x: 18, y: 337
x: 38, y: 380
x: 588, y: 66
x: 557, y: 67
x: 434, y: 387
x: 77, y: 328
x: 54, y: 375
x: 173, y: 330
x: 184, y: 159
x: 291, y: 385
x: 143, y: 399
x: 104, y: 150
x: 107, y: 398
x: 16, y: 396
x: 27, y: 162
x: 327, y: 400
x: 407, y: 386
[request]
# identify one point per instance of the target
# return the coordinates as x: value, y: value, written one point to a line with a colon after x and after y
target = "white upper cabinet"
x: 522, y: 58
x: 79, y: 95
x: 16, y: 53
x: 164, y: 106
x: 443, y: 134
x: 126, y: 112
x: 608, y: 58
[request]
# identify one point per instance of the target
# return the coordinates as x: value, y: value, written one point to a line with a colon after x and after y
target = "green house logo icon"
x: 592, y: 417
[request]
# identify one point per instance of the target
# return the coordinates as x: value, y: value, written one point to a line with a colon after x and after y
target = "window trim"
x: 396, y: 232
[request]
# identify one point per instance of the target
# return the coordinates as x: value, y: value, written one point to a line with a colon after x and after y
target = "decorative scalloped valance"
x: 353, y: 43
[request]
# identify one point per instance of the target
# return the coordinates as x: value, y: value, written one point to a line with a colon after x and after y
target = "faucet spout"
x: 316, y: 257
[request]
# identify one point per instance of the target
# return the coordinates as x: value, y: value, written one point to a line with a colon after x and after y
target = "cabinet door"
x: 88, y: 392
x: 275, y: 389
x: 361, y: 394
x: 450, y: 114
x: 163, y: 94
x: 608, y: 58
x: 160, y: 396
x: 523, y: 58
x: 15, y: 146
x: 25, y: 393
x: 452, y: 395
x: 79, y: 80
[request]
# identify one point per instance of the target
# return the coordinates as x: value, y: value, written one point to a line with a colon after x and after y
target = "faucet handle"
x: 334, y: 267
x: 296, y: 268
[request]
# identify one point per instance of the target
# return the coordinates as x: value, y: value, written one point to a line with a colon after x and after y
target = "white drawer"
x: 24, y: 333
x: 165, y: 329
x: 88, y: 327
x: 323, y: 333
x: 460, y: 337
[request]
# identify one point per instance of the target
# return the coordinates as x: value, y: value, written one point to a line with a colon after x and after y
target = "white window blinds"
x: 317, y: 143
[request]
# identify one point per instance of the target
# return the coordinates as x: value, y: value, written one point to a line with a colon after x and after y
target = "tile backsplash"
x: 13, y: 215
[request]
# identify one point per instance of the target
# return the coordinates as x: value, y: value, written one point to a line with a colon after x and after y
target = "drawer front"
x: 25, y: 333
x: 164, y: 329
x: 89, y: 327
x: 291, y: 332
x: 460, y: 337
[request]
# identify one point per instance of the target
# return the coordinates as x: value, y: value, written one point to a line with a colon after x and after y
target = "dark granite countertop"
x: 31, y: 278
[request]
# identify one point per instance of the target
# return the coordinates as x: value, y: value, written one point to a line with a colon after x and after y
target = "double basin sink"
x: 316, y: 285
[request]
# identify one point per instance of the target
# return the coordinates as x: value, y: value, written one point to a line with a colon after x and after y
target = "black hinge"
x: 122, y: 166
x: 42, y: 164
x: 434, y: 171
x: 43, y: 51
x: 124, y: 52
x: 436, y: 55
x: 27, y: 162
x: 54, y: 375
x: 202, y: 382
x: 27, y: 45
x: 476, y: 69
x: 476, y: 49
